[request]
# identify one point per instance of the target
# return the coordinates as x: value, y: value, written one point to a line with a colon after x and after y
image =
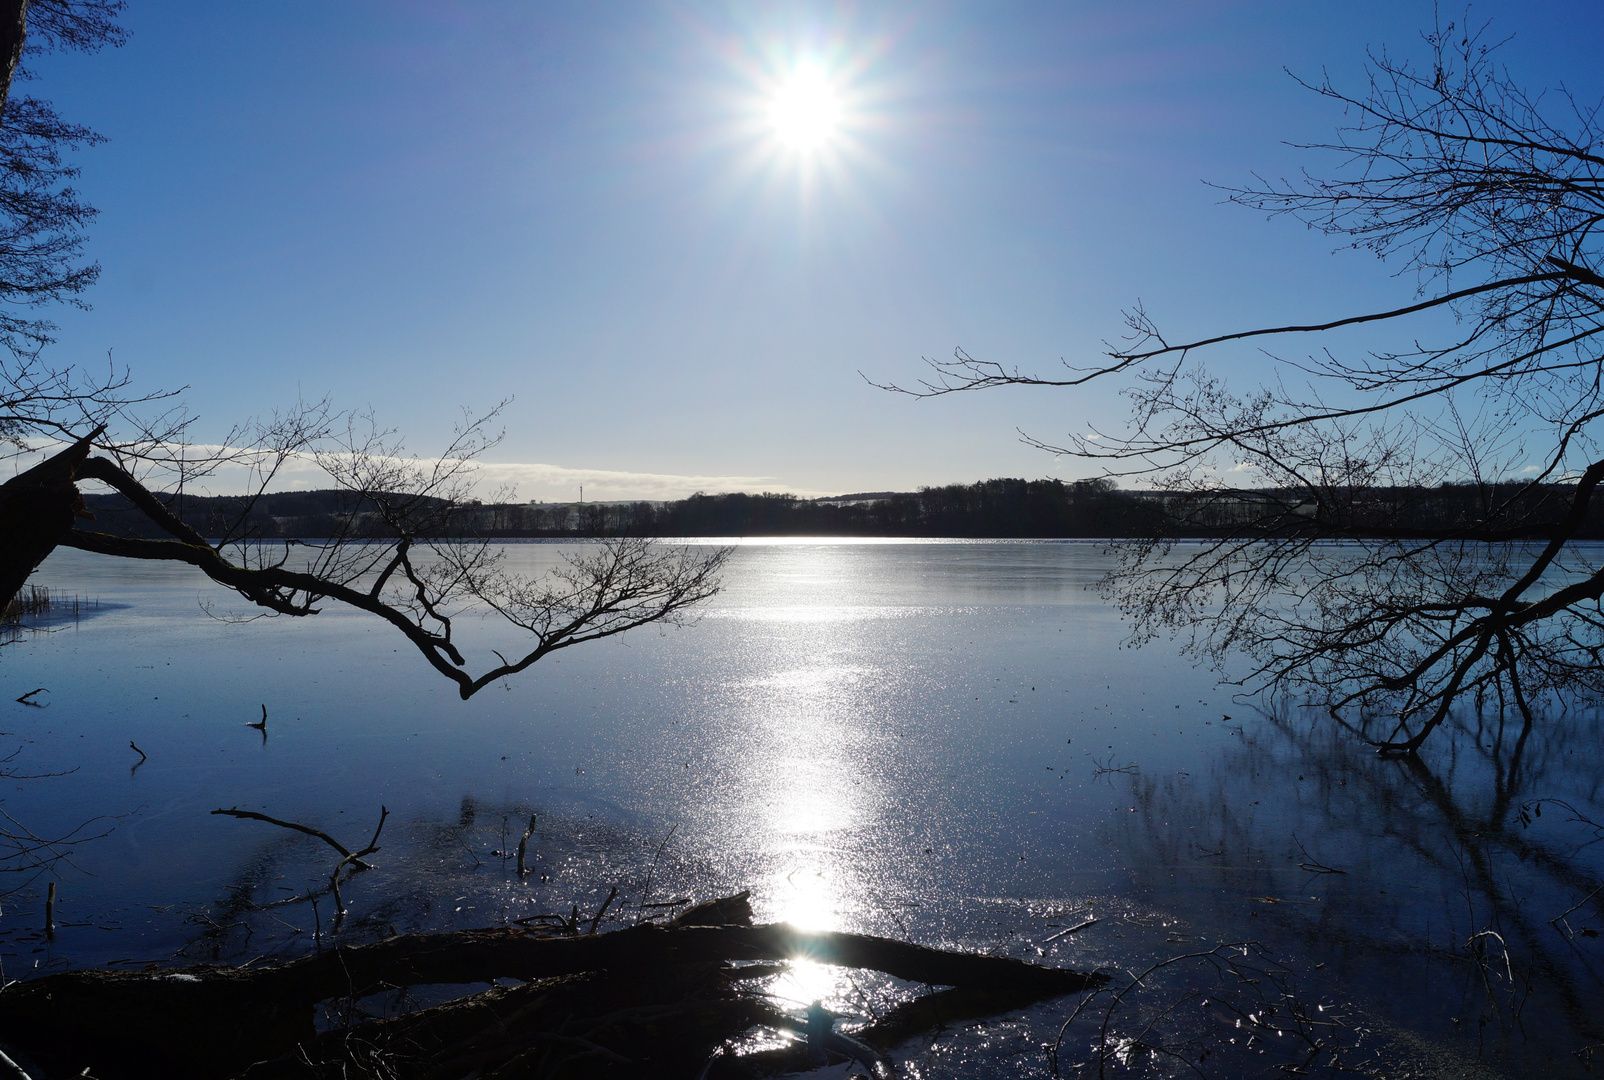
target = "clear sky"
x: 587, y: 206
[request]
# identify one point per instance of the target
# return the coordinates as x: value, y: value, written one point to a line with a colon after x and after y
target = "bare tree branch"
x: 1492, y: 200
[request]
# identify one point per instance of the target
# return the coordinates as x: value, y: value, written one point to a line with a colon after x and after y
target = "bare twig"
x: 1107, y: 767
x: 612, y: 894
x: 646, y: 893
x: 354, y: 859
x: 1068, y: 930
x: 523, y: 843
x: 1564, y: 916
x: 1309, y: 862
x: 307, y: 829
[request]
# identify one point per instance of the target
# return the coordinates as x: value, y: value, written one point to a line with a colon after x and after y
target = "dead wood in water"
x: 649, y: 1000
x: 344, y: 851
x: 523, y: 844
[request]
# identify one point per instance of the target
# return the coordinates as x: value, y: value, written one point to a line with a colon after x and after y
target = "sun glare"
x: 805, y: 110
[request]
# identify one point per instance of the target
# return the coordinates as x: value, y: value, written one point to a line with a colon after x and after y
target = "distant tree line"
x: 991, y: 508
x: 1003, y: 509
x: 1487, y: 512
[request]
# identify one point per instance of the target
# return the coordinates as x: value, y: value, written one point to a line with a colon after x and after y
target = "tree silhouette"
x: 395, y: 550
x: 1490, y: 198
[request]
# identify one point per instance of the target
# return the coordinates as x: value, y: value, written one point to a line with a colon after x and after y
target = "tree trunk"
x: 37, y: 508
x: 13, y: 31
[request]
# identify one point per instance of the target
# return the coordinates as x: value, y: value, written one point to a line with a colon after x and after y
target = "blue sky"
x: 417, y: 207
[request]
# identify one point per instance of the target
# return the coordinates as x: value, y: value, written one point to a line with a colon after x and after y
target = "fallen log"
x: 671, y: 987
x: 597, y: 1024
x: 476, y: 956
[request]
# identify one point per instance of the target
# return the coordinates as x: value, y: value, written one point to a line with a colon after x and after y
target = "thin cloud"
x: 529, y: 481
x: 559, y: 483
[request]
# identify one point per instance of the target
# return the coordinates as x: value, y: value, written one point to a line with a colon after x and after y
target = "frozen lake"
x: 941, y: 740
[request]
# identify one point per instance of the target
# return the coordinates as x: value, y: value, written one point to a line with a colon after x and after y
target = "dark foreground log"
x: 643, y: 1001
x: 472, y: 956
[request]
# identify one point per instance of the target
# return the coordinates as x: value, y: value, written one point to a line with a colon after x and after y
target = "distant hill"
x: 1002, y: 508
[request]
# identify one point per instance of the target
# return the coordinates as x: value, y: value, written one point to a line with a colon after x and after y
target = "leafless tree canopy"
x: 1487, y: 198
x: 398, y: 552
x: 42, y: 217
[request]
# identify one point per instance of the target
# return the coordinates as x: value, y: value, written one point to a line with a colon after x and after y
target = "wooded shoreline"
x: 990, y: 509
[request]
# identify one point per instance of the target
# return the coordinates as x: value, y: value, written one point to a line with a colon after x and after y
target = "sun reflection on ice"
x: 807, y: 889
x: 812, y: 729
x: 807, y: 898
x: 809, y: 802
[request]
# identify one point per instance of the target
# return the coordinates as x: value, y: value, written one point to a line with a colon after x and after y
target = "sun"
x: 805, y: 111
